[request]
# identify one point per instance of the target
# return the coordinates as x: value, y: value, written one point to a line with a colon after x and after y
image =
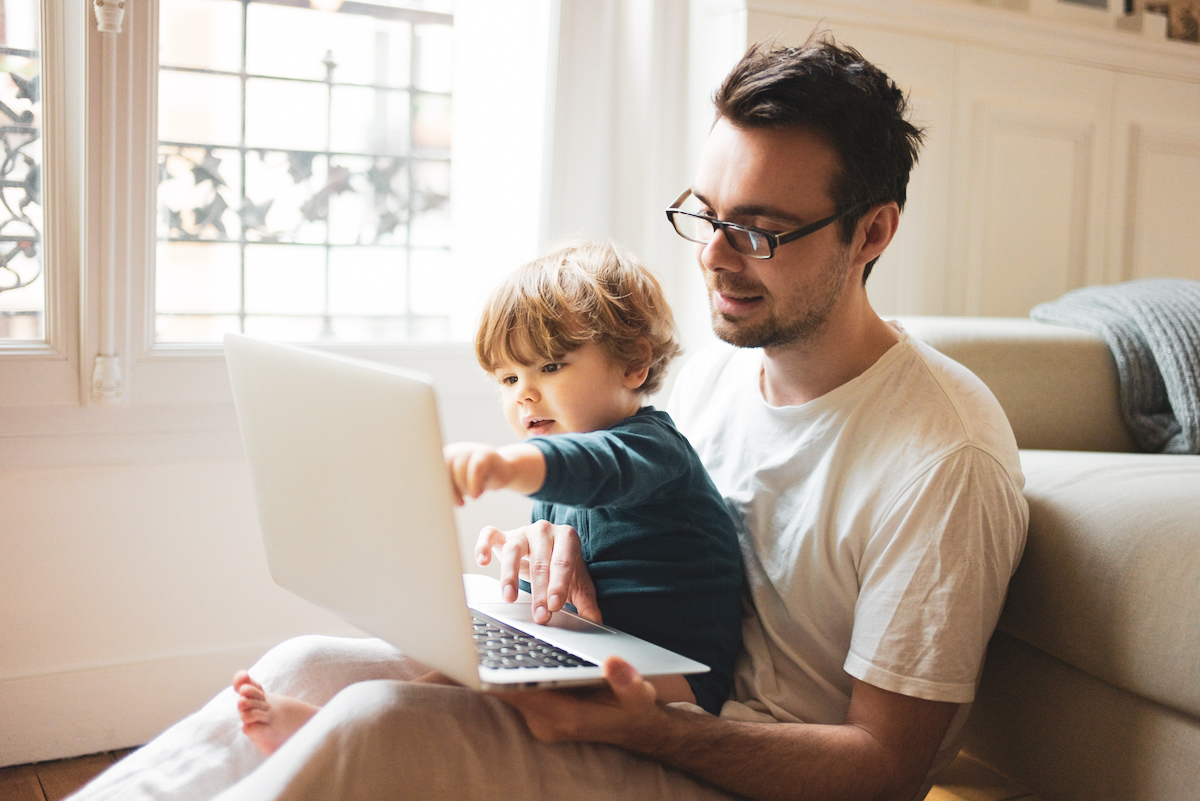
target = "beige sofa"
x: 1092, y: 684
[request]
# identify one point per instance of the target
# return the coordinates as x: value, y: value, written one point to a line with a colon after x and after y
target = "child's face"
x: 582, y: 391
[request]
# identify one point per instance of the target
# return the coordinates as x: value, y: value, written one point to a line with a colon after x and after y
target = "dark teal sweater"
x: 659, y: 543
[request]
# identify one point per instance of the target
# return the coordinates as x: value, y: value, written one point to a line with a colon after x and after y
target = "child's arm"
x: 476, y: 468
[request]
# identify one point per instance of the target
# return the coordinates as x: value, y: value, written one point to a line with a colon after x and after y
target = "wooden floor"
x: 968, y: 780
x: 965, y: 780
x: 51, y: 781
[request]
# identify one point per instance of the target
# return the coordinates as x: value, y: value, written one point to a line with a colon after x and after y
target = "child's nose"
x: 527, y: 392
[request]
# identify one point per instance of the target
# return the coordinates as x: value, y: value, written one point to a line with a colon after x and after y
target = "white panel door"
x: 1155, y: 210
x: 1029, y: 181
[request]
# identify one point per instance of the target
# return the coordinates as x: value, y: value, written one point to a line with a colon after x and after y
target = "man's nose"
x: 718, y: 254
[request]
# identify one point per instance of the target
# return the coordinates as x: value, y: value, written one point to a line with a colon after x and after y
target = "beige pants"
x: 376, y: 738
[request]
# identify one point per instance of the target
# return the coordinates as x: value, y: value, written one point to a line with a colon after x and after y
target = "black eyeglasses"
x: 753, y: 242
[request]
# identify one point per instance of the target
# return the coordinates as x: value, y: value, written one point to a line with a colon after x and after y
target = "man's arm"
x: 882, y: 751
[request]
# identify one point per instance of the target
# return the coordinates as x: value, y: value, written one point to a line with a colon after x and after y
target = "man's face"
x: 777, y: 180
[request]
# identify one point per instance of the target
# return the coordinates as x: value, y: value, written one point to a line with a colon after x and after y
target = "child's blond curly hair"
x: 581, y: 292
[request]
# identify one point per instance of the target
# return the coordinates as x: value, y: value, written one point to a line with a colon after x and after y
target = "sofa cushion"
x: 1058, y: 385
x: 1066, y: 735
x: 1110, y: 579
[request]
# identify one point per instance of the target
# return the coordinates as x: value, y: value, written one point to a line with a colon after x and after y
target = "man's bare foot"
x: 268, y: 719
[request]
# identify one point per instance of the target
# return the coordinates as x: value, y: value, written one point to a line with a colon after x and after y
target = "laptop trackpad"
x: 520, y: 615
x: 483, y: 593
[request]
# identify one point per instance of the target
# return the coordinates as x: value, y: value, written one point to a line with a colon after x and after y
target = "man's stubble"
x: 790, y: 321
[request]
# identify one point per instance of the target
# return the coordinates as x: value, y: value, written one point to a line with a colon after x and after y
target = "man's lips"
x: 729, y: 297
x: 735, y: 303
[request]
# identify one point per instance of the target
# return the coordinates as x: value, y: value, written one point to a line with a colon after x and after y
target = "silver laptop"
x: 356, y: 510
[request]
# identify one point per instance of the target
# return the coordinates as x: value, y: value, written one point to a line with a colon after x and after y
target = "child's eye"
x: 508, y: 380
x: 552, y: 367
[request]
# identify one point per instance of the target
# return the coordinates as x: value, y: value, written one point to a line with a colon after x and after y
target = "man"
x: 876, y: 486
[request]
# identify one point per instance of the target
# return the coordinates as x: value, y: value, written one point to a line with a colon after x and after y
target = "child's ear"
x: 635, y: 374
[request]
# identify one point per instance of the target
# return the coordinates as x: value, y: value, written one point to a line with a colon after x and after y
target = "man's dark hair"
x: 834, y: 92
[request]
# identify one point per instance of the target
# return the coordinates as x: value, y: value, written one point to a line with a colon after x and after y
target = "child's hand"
x: 476, y: 468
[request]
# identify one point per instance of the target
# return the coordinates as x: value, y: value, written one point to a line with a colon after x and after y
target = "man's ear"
x: 877, y: 228
x: 636, y: 373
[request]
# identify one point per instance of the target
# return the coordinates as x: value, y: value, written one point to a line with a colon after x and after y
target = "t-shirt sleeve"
x: 934, y: 576
x: 621, y: 466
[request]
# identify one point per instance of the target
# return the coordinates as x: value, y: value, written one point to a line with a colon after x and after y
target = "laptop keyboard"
x: 499, y: 646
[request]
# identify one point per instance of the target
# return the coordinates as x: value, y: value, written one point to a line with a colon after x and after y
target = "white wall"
x: 133, y: 589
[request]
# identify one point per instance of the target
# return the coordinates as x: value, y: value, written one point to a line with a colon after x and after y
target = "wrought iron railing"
x: 20, y: 189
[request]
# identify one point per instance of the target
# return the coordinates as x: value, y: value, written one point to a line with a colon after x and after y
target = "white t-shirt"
x: 880, y: 524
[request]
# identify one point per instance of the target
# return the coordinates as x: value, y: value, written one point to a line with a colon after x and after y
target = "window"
x: 357, y: 140
x: 304, y: 170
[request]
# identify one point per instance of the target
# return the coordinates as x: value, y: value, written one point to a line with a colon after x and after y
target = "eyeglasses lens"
x: 750, y: 243
x: 696, y: 229
x: 700, y: 229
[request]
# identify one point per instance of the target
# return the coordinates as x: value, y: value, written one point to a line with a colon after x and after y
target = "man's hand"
x: 476, y: 468
x: 601, y: 716
x: 549, y: 558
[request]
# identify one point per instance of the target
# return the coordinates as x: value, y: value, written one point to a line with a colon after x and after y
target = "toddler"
x: 576, y: 340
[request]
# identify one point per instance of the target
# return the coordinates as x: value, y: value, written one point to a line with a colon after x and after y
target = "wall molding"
x: 1004, y: 29
x: 1036, y: 121
x: 1148, y: 139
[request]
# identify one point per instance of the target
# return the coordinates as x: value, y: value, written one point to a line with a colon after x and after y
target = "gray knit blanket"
x: 1152, y: 327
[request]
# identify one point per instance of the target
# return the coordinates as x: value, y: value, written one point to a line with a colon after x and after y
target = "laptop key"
x: 501, y: 647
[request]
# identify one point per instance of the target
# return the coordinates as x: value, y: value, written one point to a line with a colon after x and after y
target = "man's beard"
x: 802, y: 324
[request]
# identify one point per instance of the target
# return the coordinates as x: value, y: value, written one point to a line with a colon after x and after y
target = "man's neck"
x: 842, y: 350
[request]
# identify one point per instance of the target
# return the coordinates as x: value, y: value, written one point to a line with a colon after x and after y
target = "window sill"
x: 179, y: 408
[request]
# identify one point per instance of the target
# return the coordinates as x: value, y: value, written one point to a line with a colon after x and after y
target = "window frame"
x: 166, y: 373
x: 46, y: 372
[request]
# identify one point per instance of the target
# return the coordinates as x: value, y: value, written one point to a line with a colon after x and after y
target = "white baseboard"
x: 117, y: 706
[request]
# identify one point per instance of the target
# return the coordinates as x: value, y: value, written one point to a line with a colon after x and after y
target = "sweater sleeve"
x: 620, y: 466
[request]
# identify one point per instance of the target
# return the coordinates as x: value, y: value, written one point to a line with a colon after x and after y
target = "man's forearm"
x: 771, y: 760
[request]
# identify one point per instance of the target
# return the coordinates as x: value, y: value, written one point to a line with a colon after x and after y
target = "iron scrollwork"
x: 20, y: 180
